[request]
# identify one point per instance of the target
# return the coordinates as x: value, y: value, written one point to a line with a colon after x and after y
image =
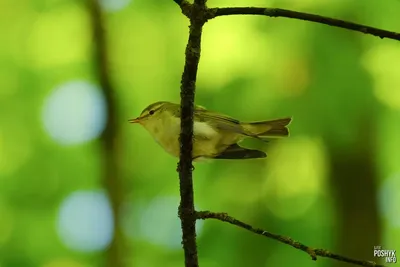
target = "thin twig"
x: 284, y: 239
x: 278, y: 12
x: 111, y: 177
x: 188, y: 87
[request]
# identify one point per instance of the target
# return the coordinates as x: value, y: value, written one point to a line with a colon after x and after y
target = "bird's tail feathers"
x: 268, y: 129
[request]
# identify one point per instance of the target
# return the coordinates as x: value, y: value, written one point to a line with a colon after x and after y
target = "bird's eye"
x: 151, y: 112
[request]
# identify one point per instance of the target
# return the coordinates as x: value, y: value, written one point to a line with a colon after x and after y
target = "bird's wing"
x: 217, y: 120
x: 237, y: 152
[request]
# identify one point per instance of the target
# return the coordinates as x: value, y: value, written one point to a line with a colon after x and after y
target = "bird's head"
x: 150, y: 117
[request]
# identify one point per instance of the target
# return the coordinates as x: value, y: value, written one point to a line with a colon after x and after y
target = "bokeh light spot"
x: 379, y: 62
x: 59, y: 37
x: 229, y: 57
x: 295, y: 177
x: 75, y: 112
x: 85, y: 221
x: 114, y: 5
x: 389, y: 199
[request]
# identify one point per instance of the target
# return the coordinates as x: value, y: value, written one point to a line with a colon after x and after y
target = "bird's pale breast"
x: 207, y: 141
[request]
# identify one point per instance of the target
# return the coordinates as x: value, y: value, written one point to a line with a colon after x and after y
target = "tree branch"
x: 188, y: 86
x: 278, y: 12
x: 185, y: 6
x: 224, y: 217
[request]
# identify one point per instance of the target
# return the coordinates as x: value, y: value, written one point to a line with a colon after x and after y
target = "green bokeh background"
x: 341, y: 87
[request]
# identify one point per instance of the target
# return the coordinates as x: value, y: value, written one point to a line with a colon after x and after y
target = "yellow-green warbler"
x: 215, y: 135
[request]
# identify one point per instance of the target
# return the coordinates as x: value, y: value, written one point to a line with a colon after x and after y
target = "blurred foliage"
x: 251, y: 68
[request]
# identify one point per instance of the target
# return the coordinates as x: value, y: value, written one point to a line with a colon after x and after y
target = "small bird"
x: 216, y: 135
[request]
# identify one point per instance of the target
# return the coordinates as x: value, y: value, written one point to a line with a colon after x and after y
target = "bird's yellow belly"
x: 201, y: 148
x: 207, y: 142
x: 172, y: 146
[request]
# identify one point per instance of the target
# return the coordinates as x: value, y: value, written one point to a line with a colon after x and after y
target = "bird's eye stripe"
x: 150, y: 110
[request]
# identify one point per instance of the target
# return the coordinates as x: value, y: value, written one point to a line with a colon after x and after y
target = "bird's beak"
x: 137, y: 120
